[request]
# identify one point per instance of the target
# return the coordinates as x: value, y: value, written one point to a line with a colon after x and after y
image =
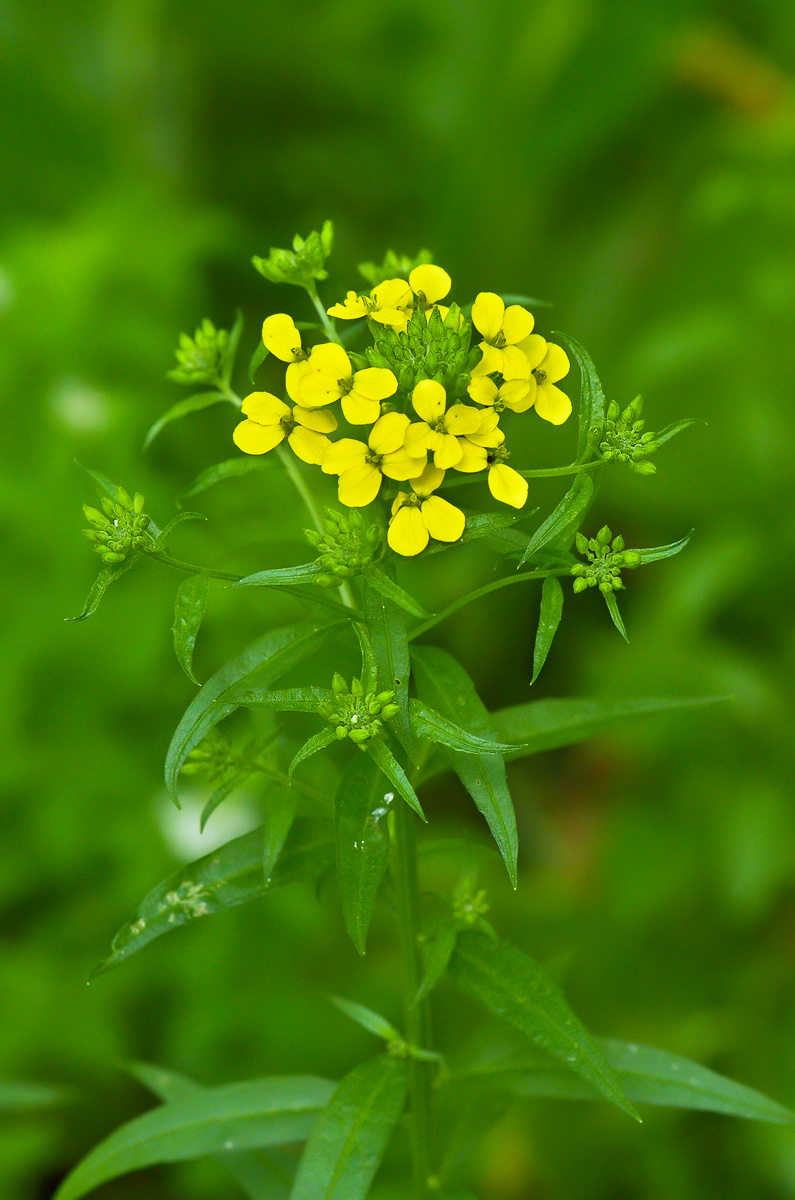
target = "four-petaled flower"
x: 429, y: 284
x: 269, y: 421
x: 502, y: 329
x: 419, y: 516
x: 548, y: 363
x: 441, y: 427
x: 361, y: 467
x: 513, y: 394
x: 386, y: 304
x: 282, y: 339
x: 329, y: 376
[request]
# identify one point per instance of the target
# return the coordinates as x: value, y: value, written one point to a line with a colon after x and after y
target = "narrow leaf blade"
x: 362, y: 839
x: 391, y: 768
x: 563, y: 518
x: 615, y: 615
x: 392, y: 591
x: 189, y: 609
x: 655, y: 553
x: 231, y: 468
x: 305, y: 573
x: 257, y: 359
x: 182, y: 408
x: 548, y: 622
x: 592, y: 399
x: 106, y: 577
x: 386, y: 624
x: 373, y: 1022
x: 432, y: 725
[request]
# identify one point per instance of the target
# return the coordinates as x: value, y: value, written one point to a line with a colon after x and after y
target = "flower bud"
x: 338, y: 685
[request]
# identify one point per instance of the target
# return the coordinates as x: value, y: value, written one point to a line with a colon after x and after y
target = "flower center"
x: 540, y: 375
x: 497, y: 455
x: 299, y: 354
x: 499, y: 341
x: 373, y: 458
x: 287, y: 424
x: 345, y: 385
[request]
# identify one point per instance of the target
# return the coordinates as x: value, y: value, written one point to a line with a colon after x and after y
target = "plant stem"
x: 476, y: 595
x: 542, y: 473
x: 417, y: 1016
x: 190, y: 568
x: 321, y: 312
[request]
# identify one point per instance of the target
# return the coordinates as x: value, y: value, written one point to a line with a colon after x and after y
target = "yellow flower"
x: 361, y: 467
x: 502, y: 328
x: 385, y: 304
x: 429, y: 284
x: 548, y: 363
x: 419, y: 515
x: 441, y: 427
x: 270, y: 421
x: 511, y: 393
x: 282, y: 339
x: 329, y: 376
x: 505, y: 484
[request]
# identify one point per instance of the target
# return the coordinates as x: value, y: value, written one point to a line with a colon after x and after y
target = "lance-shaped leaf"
x: 615, y: 615
x: 563, y: 519
x: 430, y: 724
x: 386, y: 625
x: 392, y: 591
x: 189, y: 609
x: 260, y: 664
x: 514, y: 987
x: 305, y: 573
x: 230, y: 352
x: 257, y: 359
x: 261, y: 1174
x: 106, y: 577
x: 369, y: 677
x: 484, y: 525
x: 351, y: 1135
x: 592, y: 400
x: 282, y: 805
x: 241, y: 770
x: 182, y: 408
x: 173, y: 523
x: 441, y: 679
x: 675, y: 428
x: 391, y: 768
x: 318, y: 741
x: 372, y: 1021
x: 230, y: 875
x: 232, y: 468
x: 260, y: 1112
x: 548, y: 621
x: 647, y: 1075
x: 362, y: 838
x: 19, y: 1097
x: 301, y: 700
x: 655, y: 553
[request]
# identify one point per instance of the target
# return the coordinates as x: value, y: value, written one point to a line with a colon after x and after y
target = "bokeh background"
x: 632, y: 164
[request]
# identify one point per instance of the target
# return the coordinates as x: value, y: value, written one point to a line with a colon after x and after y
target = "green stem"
x: 321, y: 312
x: 543, y: 473
x: 190, y: 568
x: 476, y: 595
x: 417, y: 1017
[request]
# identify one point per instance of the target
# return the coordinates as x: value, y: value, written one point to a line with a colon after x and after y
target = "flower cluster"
x: 624, y: 440
x: 606, y: 559
x: 345, y: 547
x: 201, y: 358
x: 121, y: 527
x: 358, y: 715
x: 430, y: 400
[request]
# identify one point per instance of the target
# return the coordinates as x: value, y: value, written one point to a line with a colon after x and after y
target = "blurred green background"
x: 633, y: 164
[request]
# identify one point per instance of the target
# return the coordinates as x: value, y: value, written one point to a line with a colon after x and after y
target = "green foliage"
x: 304, y: 263
x: 189, y: 609
x: 548, y: 621
x: 362, y: 842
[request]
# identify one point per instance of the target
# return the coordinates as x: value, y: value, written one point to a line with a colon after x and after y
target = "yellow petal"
x: 394, y: 317
x: 461, y: 419
x: 359, y: 485
x: 556, y: 363
x: 400, y: 465
x: 407, y: 533
x: 264, y: 408
x: 317, y: 388
x: 252, y: 438
x: 487, y: 314
x: 308, y: 445
x: 418, y: 438
x: 433, y: 282
x: 507, y: 485
x: 352, y: 307
x: 358, y: 411
x: 375, y: 383
x: 330, y: 358
x: 281, y: 337
x: 474, y: 457
x: 293, y: 378
x: 552, y: 404
x: 490, y: 362
x: 517, y: 324
x: 319, y: 419
x: 399, y: 500
x: 534, y: 347
x: 343, y: 455
x: 447, y: 451
x: 430, y: 479
x: 389, y: 433
x: 518, y: 394
x: 444, y: 521
x: 482, y: 389
x: 391, y: 293
x: 429, y: 400
x: 515, y: 364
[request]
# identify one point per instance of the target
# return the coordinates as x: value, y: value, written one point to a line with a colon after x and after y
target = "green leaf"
x: 101, y: 482
x: 515, y: 988
x: 430, y: 724
x: 648, y: 1076
x: 549, y: 724
x: 391, y: 768
x: 655, y: 553
x: 241, y: 770
x: 386, y: 625
x: 548, y: 622
x: 261, y: 1174
x: 231, y: 348
x: 182, y: 408
x: 106, y: 577
x: 257, y: 359
x: 675, y: 428
x: 261, y: 663
x: 369, y: 679
x: 282, y: 805
x: 260, y: 1112
x: 231, y: 468
x: 436, y: 954
x: 17, y: 1097
x: 306, y: 573
x: 563, y: 518
x: 592, y: 400
x: 388, y: 588
x: 173, y: 523
x: 443, y: 680
x: 302, y: 700
x: 362, y: 838
x: 318, y: 741
x: 189, y: 610
x: 228, y: 876
x: 351, y: 1135
x: 373, y: 1022
x: 612, y: 608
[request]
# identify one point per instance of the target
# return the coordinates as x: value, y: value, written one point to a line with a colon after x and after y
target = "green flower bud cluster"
x: 432, y: 347
x: 122, y: 526
x: 358, y: 715
x: 469, y: 906
x: 301, y: 265
x: 606, y: 559
x: 394, y: 266
x: 213, y: 755
x: 623, y: 439
x: 201, y: 358
x: 346, y: 546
